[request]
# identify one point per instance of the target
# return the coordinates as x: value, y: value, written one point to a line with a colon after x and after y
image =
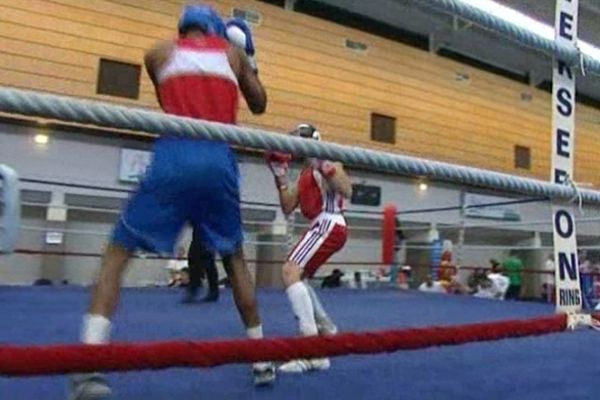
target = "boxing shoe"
x: 302, y: 366
x: 89, y: 387
x: 264, y: 373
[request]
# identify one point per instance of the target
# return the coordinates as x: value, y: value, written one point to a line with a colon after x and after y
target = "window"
x: 119, y: 79
x: 357, y: 46
x: 522, y: 157
x: 252, y: 17
x: 366, y: 195
x: 526, y: 96
x: 383, y: 128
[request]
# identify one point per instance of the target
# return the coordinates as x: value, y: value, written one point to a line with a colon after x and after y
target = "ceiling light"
x: 41, y: 139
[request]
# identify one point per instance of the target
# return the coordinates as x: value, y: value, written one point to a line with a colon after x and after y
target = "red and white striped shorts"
x: 323, y: 239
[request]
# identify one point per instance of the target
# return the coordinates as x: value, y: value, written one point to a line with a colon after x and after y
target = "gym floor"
x: 557, y: 366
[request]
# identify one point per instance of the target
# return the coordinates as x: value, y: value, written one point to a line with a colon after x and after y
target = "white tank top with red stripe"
x: 197, y: 81
x: 317, y: 199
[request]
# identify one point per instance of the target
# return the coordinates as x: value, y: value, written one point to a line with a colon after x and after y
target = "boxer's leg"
x: 325, y: 325
x: 194, y: 269
x: 292, y: 271
x: 209, y: 267
x: 220, y: 227
x: 149, y: 222
x: 312, y: 251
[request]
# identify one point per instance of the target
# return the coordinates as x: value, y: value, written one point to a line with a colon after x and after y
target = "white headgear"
x: 307, y: 131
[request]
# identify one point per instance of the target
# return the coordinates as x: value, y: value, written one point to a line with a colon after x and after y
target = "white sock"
x: 317, y: 306
x: 96, y: 329
x: 255, y: 332
x: 303, y: 308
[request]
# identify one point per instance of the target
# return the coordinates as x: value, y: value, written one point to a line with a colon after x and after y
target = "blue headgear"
x: 203, y: 17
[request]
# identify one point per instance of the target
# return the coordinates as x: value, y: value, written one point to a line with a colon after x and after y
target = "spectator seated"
x: 431, y: 286
x: 333, y: 280
x: 494, y: 286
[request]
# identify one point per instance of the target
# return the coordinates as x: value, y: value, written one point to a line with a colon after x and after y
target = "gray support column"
x: 52, y: 266
x: 533, y: 259
x: 268, y: 269
x: 420, y: 258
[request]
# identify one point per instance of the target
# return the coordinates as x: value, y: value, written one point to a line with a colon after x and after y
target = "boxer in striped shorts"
x: 320, y: 193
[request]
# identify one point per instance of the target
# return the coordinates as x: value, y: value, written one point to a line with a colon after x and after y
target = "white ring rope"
x: 101, y: 114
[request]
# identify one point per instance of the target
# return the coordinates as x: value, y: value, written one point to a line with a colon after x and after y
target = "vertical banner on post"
x: 568, y: 287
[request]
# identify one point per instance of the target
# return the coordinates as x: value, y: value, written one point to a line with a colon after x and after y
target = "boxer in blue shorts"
x: 198, y: 75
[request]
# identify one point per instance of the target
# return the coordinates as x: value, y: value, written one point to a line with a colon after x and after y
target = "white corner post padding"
x: 10, y: 218
x: 582, y: 320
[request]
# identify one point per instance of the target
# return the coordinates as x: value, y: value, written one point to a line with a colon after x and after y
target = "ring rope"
x: 120, y: 190
x: 365, y: 263
x: 63, y: 359
x: 573, y: 54
x: 471, y: 206
x: 97, y: 113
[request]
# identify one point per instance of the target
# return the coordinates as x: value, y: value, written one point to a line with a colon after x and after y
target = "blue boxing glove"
x: 239, y: 35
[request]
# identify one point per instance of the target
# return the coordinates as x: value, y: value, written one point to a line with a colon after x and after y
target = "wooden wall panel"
x: 55, y: 45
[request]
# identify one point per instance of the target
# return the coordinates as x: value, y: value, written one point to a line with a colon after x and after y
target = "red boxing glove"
x: 326, y: 168
x: 279, y: 164
x: 277, y: 156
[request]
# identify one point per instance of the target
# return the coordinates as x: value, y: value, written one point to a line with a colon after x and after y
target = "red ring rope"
x: 61, y: 359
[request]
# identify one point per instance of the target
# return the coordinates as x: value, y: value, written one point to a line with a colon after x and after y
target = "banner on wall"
x: 475, y: 206
x: 133, y: 164
x: 568, y: 286
x: 436, y: 257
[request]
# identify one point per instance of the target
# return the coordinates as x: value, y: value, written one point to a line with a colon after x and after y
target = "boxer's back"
x: 197, y: 81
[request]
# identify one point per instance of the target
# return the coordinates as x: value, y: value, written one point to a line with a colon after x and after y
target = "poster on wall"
x: 133, y: 164
x: 490, y: 207
x: 54, y: 237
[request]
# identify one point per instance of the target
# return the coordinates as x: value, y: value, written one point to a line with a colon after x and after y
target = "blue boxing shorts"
x: 189, y: 180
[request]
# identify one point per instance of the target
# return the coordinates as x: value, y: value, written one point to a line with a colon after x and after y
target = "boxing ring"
x: 452, y: 346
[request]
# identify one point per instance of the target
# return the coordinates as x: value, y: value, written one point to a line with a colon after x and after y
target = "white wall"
x: 78, y: 158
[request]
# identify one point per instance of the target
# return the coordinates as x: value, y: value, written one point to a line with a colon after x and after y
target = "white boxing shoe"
x: 302, y: 366
x: 325, y: 326
x: 89, y: 387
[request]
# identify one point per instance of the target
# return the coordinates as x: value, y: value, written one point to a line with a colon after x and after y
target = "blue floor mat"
x: 556, y: 366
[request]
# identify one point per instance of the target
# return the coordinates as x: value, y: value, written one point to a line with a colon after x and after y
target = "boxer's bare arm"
x: 289, y: 199
x: 340, y: 181
x: 252, y: 89
x: 154, y: 60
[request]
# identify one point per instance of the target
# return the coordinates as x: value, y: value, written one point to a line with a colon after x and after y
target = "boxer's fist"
x: 239, y: 35
x: 279, y: 164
